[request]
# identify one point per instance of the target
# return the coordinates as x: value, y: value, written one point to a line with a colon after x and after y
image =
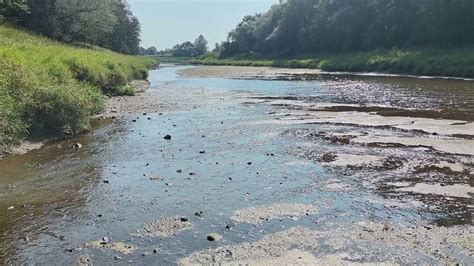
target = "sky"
x: 168, y: 22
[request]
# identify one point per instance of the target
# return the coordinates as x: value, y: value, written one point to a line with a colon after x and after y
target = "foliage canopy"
x: 313, y: 26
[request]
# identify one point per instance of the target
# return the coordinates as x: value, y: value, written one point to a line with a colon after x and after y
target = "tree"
x: 106, y: 23
x: 217, y: 48
x: 189, y: 49
x: 186, y: 49
x: 151, y: 51
x: 12, y: 10
x: 200, y: 45
x: 125, y: 36
x: 311, y: 26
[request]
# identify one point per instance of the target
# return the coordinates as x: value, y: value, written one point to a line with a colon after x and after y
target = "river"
x: 303, y: 168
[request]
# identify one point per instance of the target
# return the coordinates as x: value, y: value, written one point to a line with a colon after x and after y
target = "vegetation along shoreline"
x: 453, y: 63
x: 49, y: 87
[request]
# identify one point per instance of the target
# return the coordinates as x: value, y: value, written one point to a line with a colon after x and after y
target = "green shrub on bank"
x: 47, y: 86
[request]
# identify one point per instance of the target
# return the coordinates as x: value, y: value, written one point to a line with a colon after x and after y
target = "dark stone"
x: 328, y: 158
x: 167, y: 137
x: 105, y: 240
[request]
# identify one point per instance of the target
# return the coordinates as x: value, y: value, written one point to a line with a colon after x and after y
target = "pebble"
x: 167, y: 137
x: 106, y: 240
x: 76, y: 146
x: 213, y: 237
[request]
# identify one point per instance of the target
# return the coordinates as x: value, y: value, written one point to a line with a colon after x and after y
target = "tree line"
x: 311, y: 26
x: 106, y: 23
x: 186, y: 49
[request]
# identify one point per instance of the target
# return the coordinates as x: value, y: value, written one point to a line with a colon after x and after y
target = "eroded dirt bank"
x: 241, y: 171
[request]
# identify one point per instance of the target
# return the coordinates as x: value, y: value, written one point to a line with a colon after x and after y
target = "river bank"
x: 440, y: 62
x: 115, y: 106
x: 47, y: 87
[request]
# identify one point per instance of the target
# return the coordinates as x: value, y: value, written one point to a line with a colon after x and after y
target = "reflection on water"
x: 54, y: 200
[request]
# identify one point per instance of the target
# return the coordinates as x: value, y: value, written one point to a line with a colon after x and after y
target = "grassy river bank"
x: 47, y: 86
x: 452, y: 62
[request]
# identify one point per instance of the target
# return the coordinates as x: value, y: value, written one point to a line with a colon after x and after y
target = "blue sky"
x: 167, y: 22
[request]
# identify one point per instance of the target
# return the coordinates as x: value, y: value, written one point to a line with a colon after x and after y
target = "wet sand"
x: 144, y: 101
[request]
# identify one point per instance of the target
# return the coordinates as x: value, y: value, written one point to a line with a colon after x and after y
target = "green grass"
x: 47, y: 86
x: 453, y: 62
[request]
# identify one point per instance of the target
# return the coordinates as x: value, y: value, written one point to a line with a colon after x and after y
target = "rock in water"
x: 214, y: 237
x: 76, y: 146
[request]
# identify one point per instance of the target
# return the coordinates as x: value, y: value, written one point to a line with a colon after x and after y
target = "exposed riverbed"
x: 253, y: 166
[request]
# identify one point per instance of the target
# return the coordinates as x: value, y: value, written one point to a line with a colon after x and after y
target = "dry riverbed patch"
x: 125, y: 249
x: 165, y: 227
x: 270, y: 246
x: 261, y: 214
x: 456, y: 190
x: 374, y: 243
x: 244, y: 72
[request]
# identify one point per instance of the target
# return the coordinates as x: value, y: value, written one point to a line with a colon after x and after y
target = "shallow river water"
x: 311, y: 169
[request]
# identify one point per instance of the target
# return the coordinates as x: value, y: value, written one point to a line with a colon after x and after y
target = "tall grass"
x: 454, y: 62
x: 47, y: 86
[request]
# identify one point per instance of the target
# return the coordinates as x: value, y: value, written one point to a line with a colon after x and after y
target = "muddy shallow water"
x: 333, y: 169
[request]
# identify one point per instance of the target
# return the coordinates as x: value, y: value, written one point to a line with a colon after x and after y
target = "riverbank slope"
x: 448, y: 62
x: 47, y: 87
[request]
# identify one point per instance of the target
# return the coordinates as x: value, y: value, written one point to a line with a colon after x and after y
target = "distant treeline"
x: 106, y: 23
x: 185, y: 49
x: 313, y: 26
